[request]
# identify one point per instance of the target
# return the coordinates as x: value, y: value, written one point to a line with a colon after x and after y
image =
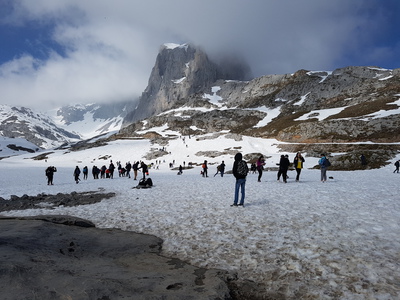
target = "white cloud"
x: 110, y: 47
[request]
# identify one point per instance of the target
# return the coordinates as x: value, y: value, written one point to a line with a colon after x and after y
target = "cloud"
x: 102, y: 51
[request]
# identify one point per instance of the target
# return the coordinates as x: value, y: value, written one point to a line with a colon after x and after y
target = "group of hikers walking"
x: 104, y: 172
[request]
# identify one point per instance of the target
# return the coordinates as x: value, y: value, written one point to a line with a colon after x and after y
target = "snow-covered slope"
x: 300, y: 240
x: 36, y: 127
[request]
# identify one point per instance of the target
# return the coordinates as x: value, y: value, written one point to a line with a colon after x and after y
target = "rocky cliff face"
x: 180, y: 71
x: 351, y: 104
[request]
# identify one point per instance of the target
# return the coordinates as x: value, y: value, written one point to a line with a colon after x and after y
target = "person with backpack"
x: 205, y: 168
x: 240, y: 170
x: 135, y: 168
x: 324, y: 164
x: 85, y: 172
x: 77, y: 172
x: 50, y: 174
x: 298, y: 164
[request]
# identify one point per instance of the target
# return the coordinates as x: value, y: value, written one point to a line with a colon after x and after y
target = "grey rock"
x: 60, y: 257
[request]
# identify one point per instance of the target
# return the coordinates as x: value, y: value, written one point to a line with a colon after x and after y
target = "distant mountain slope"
x: 91, y: 120
x: 37, y: 128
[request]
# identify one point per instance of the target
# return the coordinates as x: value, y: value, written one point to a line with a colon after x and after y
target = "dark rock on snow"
x: 61, y: 257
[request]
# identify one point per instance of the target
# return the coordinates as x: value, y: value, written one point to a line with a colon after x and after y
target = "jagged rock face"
x: 179, y: 72
x: 307, y: 107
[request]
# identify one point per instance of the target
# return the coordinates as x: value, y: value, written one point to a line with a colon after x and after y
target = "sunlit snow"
x: 338, y: 237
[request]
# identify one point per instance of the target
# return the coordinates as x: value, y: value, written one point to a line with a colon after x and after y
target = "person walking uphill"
x: 298, y: 164
x: 240, y: 170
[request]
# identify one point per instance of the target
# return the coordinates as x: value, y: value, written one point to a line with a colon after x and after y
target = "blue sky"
x: 61, y: 52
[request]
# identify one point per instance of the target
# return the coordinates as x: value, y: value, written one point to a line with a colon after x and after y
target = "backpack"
x: 145, y: 183
x: 327, y: 163
x: 242, y: 168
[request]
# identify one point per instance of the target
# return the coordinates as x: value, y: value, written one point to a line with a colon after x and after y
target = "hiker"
x: 260, y: 167
x: 135, y: 169
x: 396, y: 164
x: 240, y: 170
x: 50, y: 174
x: 103, y: 171
x: 128, y: 168
x: 283, y: 167
x: 95, y: 172
x: 111, y: 168
x: 77, y: 172
x: 85, y: 172
x: 180, y: 170
x: 298, y: 164
x: 205, y: 168
x: 324, y: 164
x: 220, y: 169
x: 144, y: 168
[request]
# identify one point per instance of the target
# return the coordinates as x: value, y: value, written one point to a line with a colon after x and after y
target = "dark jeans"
x: 298, y: 174
x: 240, y: 185
x: 260, y: 171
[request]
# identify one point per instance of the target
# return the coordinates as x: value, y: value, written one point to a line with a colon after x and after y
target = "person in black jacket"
x: 298, y: 164
x: 77, y: 172
x: 240, y: 170
x: 283, y: 167
x: 144, y: 168
x: 50, y: 174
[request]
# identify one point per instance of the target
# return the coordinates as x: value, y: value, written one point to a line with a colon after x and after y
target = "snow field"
x: 333, y: 240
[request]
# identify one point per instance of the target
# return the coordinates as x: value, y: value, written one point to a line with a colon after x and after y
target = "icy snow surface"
x: 333, y: 240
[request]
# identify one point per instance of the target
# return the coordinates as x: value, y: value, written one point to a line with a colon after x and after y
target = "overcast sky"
x: 61, y: 52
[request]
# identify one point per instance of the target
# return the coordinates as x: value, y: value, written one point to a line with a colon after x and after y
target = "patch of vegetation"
x: 42, y: 156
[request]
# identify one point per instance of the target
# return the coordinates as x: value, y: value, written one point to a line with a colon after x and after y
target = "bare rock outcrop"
x: 60, y: 257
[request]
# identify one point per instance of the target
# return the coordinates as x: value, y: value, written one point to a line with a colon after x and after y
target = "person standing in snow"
x: 144, y: 168
x: 205, y: 168
x: 128, y: 168
x: 240, y: 170
x: 222, y: 168
x: 111, y: 168
x: 260, y: 167
x: 77, y: 172
x: 103, y: 171
x: 298, y: 164
x: 85, y: 172
x: 50, y: 174
x: 324, y: 164
x: 135, y: 169
x: 283, y: 167
x: 396, y: 164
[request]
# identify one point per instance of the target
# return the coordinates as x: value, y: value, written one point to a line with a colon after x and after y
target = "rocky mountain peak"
x: 179, y: 71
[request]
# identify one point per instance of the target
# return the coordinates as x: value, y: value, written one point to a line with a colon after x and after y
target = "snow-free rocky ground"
x: 300, y: 240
